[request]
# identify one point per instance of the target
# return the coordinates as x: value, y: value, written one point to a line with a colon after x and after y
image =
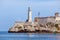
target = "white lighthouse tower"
x: 29, y: 14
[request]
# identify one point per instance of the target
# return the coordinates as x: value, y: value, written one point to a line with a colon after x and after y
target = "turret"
x: 56, y: 14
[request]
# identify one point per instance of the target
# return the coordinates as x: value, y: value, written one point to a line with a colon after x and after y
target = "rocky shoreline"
x: 37, y: 31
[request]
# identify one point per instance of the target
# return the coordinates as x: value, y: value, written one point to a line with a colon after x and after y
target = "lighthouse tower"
x: 29, y: 14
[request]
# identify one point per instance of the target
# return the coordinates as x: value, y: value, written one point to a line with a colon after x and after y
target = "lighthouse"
x: 29, y: 14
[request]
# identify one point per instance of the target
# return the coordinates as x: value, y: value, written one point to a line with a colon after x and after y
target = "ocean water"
x: 28, y: 36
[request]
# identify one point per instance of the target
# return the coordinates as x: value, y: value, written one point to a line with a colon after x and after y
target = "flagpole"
x: 38, y: 14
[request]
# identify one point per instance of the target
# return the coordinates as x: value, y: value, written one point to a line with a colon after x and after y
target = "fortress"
x: 40, y: 23
x: 53, y: 19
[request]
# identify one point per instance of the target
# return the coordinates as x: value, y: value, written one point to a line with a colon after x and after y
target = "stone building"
x: 28, y: 25
x: 44, y: 20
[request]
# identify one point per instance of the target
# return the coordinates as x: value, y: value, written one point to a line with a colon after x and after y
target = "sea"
x: 29, y: 36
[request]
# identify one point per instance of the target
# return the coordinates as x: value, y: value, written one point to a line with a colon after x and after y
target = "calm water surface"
x: 26, y: 36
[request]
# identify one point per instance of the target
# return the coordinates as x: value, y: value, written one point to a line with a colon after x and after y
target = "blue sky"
x: 16, y: 10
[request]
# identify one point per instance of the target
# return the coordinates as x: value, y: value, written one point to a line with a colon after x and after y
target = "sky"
x: 17, y: 10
